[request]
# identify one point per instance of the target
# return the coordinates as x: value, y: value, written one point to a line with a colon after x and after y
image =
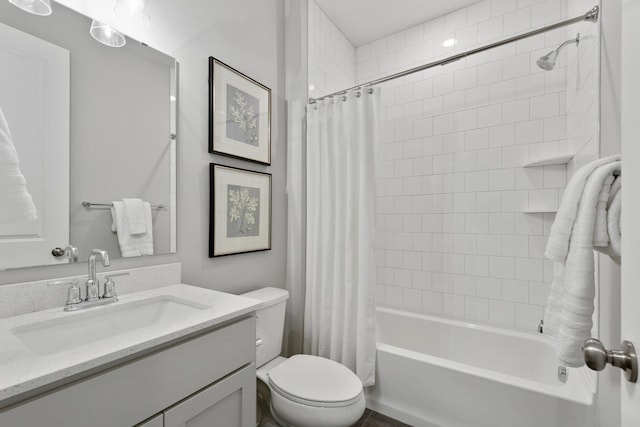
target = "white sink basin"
x: 95, y: 324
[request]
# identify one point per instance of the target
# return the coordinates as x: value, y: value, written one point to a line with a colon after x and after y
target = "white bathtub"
x: 438, y: 372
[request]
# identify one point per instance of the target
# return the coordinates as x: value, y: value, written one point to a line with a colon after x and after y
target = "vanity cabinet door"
x: 157, y: 421
x: 230, y: 402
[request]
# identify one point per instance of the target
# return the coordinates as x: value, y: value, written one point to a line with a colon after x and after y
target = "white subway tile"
x: 488, y: 244
x: 517, y: 22
x: 412, y: 298
x: 422, y: 242
x: 501, y: 52
x: 531, y: 85
x: 539, y: 292
x: 453, y: 183
x: 432, y: 184
x: 528, y: 178
x: 443, y: 164
x: 442, y: 203
x: 423, y: 51
x: 476, y: 265
x: 453, y: 223
x: 455, y: 101
x: 516, y: 111
x: 503, y: 91
x: 464, y: 202
x: 384, y: 275
x: 516, y: 66
x: 443, y: 124
x: 422, y: 128
x: 432, y: 223
x: 402, y: 241
x: 465, y: 120
x: 489, y: 73
x: 489, y: 287
x: 421, y: 166
x: 466, y: 78
x: 546, y: 12
x: 433, y: 106
x: 555, y: 176
x: 411, y: 148
x: 465, y: 161
x: 413, y: 110
x: 545, y: 106
x: 544, y: 199
x: 502, y: 7
x: 489, y: 116
x: 501, y: 179
x: 476, y: 308
x: 432, y: 261
x: 404, y: 94
x: 443, y: 84
x: 529, y: 269
x: 453, y: 263
x: 363, y: 53
x: 394, y: 259
x: 537, y: 246
x: 555, y: 128
x: 453, y: 304
x: 402, y: 278
x: 442, y: 242
x: 529, y: 131
x: 380, y: 294
x: 476, y: 139
x: 517, y: 246
x: 455, y: 20
x: 467, y: 36
x: 477, y: 96
x: 478, y: 12
x: 528, y: 316
x: 477, y: 181
x: 464, y: 244
x: 502, y: 312
x: 515, y: 290
x: 489, y: 201
x: 515, y: 201
x: 490, y: 30
x: 501, y: 223
x: 529, y: 224
x: 515, y: 156
x: 500, y: 136
x: 464, y: 285
x: 403, y: 131
x: 414, y: 35
x: 434, y: 28
x: 489, y: 159
x: 421, y: 279
x: 412, y: 260
x: 423, y: 89
x: 432, y: 302
x: 394, y: 296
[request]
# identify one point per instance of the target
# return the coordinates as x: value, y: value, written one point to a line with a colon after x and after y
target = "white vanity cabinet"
x: 205, y: 380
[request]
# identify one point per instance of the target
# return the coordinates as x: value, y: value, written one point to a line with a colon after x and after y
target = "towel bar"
x: 108, y: 205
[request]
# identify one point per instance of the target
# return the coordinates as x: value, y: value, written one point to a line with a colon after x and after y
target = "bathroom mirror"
x: 121, y: 105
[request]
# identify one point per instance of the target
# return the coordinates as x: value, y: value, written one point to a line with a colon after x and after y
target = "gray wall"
x: 249, y: 36
x: 119, y: 126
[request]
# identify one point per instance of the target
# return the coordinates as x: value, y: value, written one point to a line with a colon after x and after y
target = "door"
x: 230, y: 402
x: 34, y: 99
x: 630, y: 298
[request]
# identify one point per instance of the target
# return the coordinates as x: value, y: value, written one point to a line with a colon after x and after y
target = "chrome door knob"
x: 596, y: 357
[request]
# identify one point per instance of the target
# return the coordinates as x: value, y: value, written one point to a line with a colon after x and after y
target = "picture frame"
x: 239, y: 114
x: 240, y: 211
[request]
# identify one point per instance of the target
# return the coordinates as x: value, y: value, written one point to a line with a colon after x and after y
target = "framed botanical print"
x: 240, y: 211
x: 239, y: 114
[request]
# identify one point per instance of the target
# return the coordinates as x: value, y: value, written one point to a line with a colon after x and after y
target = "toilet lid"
x: 315, y: 379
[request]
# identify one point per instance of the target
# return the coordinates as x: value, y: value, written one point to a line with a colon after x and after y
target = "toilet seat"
x: 316, y: 381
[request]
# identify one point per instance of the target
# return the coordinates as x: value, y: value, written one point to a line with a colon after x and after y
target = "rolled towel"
x: 613, y: 226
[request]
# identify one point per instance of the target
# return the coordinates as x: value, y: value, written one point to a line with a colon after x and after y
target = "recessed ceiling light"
x: 449, y: 42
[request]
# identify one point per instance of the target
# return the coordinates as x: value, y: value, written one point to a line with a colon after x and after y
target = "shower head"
x: 548, y: 61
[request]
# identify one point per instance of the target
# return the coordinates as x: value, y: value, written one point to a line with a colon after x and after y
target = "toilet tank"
x: 269, y: 322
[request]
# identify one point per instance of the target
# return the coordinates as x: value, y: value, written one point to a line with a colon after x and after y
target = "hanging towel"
x: 134, y: 209
x: 569, y: 311
x: 16, y: 204
x: 132, y: 245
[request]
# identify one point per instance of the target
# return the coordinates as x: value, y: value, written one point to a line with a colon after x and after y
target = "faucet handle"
x: 73, y: 294
x: 110, y: 289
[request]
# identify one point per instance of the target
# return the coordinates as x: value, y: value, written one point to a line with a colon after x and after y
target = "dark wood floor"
x: 374, y: 419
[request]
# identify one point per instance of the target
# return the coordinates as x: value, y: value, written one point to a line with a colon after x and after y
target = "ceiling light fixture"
x: 106, y: 35
x: 133, y: 11
x: 37, y: 7
x: 449, y: 42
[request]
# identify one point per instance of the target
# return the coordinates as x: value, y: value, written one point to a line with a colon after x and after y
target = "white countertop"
x: 23, y: 373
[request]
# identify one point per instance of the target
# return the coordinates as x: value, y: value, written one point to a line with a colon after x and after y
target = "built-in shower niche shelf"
x: 562, y: 159
x: 538, y: 211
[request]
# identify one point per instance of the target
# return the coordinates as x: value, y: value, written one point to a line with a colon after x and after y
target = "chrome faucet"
x: 93, y: 297
x: 92, y: 284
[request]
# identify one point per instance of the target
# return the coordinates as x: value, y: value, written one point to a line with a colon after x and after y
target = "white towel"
x: 132, y: 245
x: 613, y: 221
x: 16, y: 204
x: 134, y: 209
x: 569, y: 311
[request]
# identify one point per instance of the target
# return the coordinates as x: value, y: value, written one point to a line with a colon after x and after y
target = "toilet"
x: 304, y: 390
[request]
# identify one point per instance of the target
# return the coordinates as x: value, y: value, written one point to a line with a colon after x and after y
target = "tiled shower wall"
x: 331, y: 55
x: 462, y: 224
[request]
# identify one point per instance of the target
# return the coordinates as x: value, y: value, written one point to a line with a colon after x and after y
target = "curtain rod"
x: 590, y: 16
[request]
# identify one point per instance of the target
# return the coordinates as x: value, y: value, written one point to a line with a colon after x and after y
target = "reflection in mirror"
x: 89, y: 123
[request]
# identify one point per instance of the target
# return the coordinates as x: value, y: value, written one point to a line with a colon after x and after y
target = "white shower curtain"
x: 339, y: 303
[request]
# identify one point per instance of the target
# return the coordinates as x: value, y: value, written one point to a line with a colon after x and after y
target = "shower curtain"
x: 339, y: 320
